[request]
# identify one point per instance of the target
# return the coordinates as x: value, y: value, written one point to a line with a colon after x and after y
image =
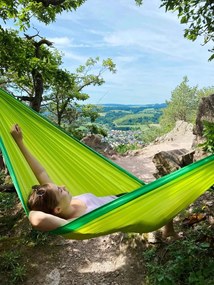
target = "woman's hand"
x: 16, y: 133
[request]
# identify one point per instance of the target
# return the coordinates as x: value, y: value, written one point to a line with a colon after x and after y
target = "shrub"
x: 208, y: 145
x: 183, y: 262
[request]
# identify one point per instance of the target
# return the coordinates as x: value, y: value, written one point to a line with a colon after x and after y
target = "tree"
x: 181, y: 106
x: 198, y: 15
x: 205, y: 92
x: 27, y: 65
x: 22, y: 11
x: 86, y: 122
x: 67, y: 88
x: 25, y: 62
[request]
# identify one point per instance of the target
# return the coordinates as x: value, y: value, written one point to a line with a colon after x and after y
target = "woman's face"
x: 63, y: 196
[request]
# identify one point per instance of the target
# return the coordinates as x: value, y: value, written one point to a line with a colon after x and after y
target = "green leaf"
x: 183, y: 20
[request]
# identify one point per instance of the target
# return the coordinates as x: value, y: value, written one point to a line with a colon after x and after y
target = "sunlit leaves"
x: 22, y: 11
x: 198, y: 15
x: 139, y: 2
x: 108, y: 63
x: 183, y: 104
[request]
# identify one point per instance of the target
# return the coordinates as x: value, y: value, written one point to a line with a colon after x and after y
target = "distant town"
x: 126, y: 123
x: 118, y: 137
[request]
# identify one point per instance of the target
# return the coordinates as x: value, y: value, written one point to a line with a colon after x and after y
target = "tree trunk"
x: 38, y: 89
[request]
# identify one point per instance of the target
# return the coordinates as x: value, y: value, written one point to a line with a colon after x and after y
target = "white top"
x: 93, y: 202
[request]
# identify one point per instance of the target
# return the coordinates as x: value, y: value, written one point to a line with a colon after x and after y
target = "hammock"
x: 68, y: 162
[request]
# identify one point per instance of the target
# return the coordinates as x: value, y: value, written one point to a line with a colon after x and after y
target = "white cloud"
x: 146, y: 44
x: 69, y: 55
x: 61, y: 41
x: 159, y: 41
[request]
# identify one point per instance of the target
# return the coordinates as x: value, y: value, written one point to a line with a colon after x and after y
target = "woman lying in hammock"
x: 52, y: 206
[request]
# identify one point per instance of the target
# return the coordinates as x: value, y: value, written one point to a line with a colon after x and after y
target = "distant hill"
x: 130, y: 106
x: 129, y: 117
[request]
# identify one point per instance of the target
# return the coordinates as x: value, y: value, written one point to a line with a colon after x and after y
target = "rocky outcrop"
x: 181, y: 129
x: 205, y: 113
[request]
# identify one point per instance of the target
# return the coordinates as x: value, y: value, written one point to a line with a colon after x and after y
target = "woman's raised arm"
x: 36, y: 167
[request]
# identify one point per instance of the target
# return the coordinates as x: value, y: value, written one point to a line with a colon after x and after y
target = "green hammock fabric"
x: 68, y: 162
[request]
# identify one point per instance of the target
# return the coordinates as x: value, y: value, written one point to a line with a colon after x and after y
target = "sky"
x: 146, y: 44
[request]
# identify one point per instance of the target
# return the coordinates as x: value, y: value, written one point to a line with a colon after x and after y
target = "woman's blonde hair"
x: 42, y: 199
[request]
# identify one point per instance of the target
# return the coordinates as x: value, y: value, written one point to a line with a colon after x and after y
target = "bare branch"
x: 25, y: 98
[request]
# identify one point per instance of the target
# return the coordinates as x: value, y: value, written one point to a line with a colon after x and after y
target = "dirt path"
x: 140, y: 162
x: 100, y: 261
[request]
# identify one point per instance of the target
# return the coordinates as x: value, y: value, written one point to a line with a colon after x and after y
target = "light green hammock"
x: 68, y: 162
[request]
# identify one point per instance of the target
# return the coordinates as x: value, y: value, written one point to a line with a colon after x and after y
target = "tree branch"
x: 42, y: 42
x: 86, y: 84
x: 25, y: 98
x: 47, y: 3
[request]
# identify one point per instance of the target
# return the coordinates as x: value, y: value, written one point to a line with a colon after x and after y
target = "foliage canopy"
x: 183, y: 104
x: 32, y: 67
x: 44, y: 10
x: 198, y: 15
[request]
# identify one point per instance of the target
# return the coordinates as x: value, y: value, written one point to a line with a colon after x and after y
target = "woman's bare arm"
x: 36, y: 167
x: 46, y: 222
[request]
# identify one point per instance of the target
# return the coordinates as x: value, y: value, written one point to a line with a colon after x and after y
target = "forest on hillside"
x: 129, y: 117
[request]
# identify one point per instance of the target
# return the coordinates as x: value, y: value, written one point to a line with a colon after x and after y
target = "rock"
x: 205, y: 113
x: 181, y: 129
x: 95, y: 142
x: 92, y: 140
x: 169, y: 161
x: 53, y: 278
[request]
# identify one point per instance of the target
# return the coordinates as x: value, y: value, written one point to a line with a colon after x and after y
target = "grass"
x: 7, y: 201
x: 123, y: 148
x: 133, y: 118
x: 11, y: 268
x: 12, y: 271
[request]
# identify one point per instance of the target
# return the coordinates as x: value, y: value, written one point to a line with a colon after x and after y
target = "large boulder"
x: 169, y: 161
